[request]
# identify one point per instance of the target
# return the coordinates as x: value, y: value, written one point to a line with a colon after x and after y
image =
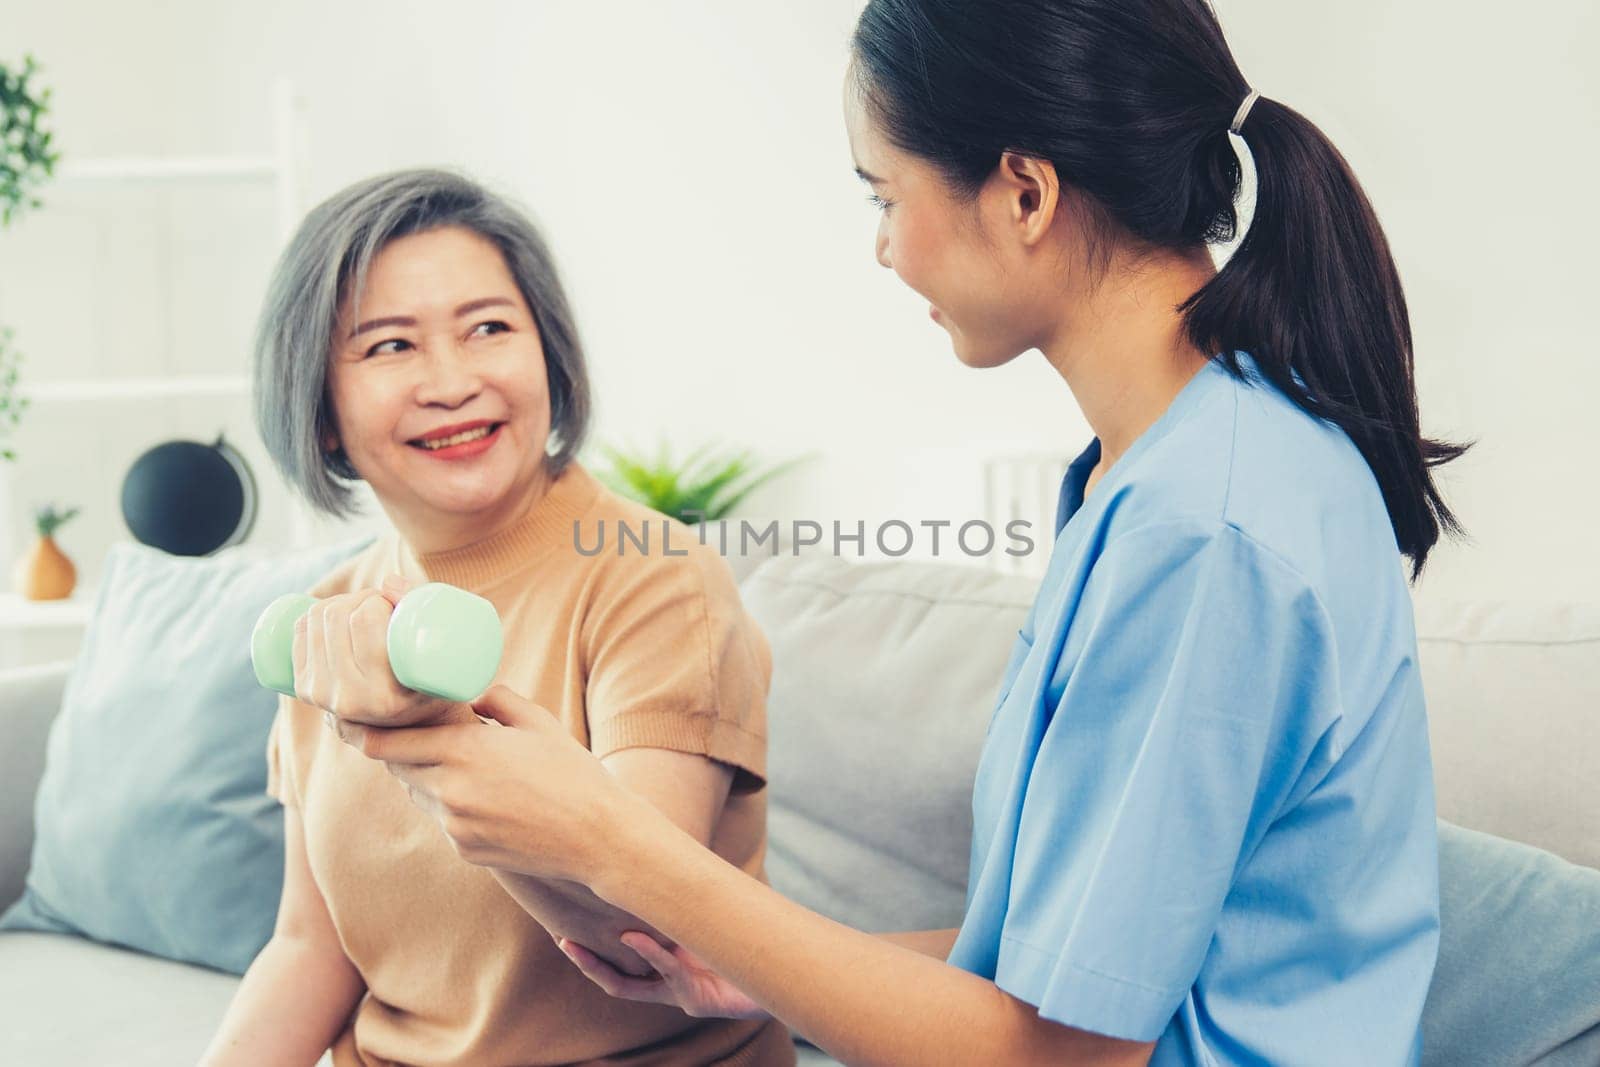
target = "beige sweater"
x: 629, y: 650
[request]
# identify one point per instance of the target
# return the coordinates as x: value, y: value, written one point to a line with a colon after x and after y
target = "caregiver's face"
x: 437, y: 380
x: 942, y: 246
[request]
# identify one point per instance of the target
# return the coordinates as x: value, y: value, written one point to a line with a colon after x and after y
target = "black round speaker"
x: 188, y: 498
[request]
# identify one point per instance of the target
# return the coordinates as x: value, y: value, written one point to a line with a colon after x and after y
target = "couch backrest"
x: 1514, y: 717
x: 885, y: 675
x: 29, y: 698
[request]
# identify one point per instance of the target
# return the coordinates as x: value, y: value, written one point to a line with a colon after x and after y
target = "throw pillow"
x: 153, y: 829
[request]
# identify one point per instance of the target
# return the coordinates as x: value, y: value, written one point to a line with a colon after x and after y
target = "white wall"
x: 688, y: 162
x: 1476, y: 131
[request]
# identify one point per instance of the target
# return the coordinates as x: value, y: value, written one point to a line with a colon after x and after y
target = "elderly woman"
x: 416, y: 337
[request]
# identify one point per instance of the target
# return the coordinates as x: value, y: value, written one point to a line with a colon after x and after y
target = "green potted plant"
x: 26, y: 162
x: 26, y: 158
x: 704, y: 486
x: 12, y: 403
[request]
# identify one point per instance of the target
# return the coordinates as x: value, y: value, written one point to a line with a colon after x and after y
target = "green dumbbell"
x: 442, y: 641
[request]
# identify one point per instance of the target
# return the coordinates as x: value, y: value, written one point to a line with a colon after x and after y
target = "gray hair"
x: 327, y: 260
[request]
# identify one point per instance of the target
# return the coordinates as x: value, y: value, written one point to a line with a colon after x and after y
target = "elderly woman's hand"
x: 529, y: 799
x: 341, y: 662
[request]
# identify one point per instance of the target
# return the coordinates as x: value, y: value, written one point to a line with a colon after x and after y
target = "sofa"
x: 884, y: 679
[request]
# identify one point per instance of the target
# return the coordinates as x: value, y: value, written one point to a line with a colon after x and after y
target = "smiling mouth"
x: 466, y: 436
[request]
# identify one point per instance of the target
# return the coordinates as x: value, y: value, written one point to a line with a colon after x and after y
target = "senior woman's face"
x: 437, y: 381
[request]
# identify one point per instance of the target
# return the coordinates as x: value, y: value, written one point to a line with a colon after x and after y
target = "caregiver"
x: 1203, y: 816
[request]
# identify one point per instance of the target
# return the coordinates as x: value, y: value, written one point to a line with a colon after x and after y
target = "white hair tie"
x: 1244, y: 112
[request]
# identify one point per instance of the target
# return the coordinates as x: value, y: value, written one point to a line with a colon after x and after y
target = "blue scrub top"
x: 1204, y: 815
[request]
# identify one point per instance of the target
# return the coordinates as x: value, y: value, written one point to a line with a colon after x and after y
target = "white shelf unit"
x: 137, y: 388
x: 46, y: 614
x: 155, y: 169
x: 281, y: 168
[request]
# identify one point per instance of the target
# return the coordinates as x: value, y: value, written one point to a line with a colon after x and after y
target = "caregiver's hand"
x: 530, y: 800
x: 681, y: 980
x: 341, y: 662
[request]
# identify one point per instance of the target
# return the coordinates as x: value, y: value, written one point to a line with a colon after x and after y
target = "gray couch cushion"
x: 65, y: 1001
x: 32, y: 696
x: 884, y: 678
x: 1514, y: 718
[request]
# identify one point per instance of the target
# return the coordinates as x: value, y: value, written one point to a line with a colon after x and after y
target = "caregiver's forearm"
x: 687, y: 789
x: 935, y: 943
x: 862, y: 998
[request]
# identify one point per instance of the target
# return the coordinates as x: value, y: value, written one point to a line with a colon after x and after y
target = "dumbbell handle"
x: 442, y: 641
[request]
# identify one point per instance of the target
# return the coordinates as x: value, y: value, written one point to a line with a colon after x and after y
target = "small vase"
x: 44, y: 572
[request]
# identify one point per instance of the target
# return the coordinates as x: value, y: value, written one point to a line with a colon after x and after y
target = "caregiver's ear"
x: 1030, y: 194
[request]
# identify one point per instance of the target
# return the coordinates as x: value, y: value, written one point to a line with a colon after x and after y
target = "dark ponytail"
x: 1131, y: 101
